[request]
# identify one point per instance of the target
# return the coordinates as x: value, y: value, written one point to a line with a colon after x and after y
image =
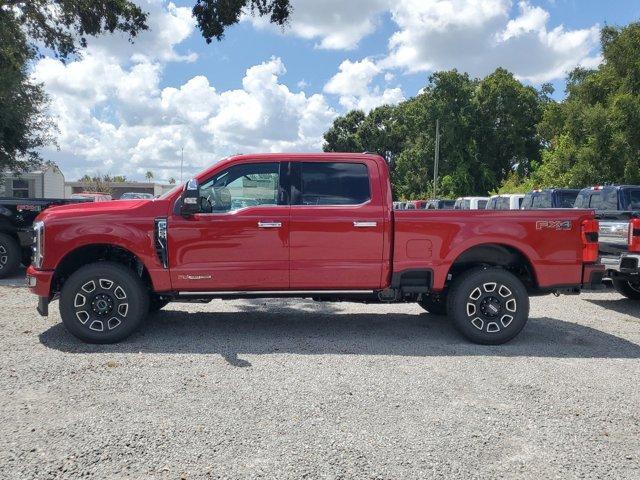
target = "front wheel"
x: 9, y: 255
x: 488, y: 305
x: 628, y: 289
x: 103, y: 302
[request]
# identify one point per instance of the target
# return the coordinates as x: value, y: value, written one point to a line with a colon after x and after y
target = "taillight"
x: 590, y: 241
x: 634, y: 235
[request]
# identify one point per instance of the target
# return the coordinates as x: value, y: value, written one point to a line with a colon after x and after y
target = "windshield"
x: 632, y: 197
x: 566, y: 199
x: 172, y: 191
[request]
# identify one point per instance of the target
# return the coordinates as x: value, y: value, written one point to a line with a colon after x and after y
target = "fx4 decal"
x: 553, y: 225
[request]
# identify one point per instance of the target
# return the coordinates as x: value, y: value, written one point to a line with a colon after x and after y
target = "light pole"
x: 435, y: 160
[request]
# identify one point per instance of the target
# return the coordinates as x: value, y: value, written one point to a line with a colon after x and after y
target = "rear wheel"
x: 9, y: 255
x: 628, y: 289
x: 103, y: 303
x: 488, y: 305
x: 435, y: 304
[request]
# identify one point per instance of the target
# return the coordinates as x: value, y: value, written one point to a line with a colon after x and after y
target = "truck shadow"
x: 323, y: 332
x: 621, y: 305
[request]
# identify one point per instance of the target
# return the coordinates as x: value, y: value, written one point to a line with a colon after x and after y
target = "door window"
x: 332, y: 183
x: 241, y: 186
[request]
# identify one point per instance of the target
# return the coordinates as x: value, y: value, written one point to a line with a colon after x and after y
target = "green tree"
x: 149, y: 176
x: 592, y: 136
x: 62, y: 27
x: 214, y: 16
x: 172, y: 181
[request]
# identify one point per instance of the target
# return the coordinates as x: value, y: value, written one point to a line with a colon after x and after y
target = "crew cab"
x: 617, y: 209
x: 322, y: 227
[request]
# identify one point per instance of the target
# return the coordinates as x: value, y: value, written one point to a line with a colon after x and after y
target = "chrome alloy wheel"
x: 101, y: 305
x: 491, y: 307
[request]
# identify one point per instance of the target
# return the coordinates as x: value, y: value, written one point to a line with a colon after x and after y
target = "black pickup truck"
x: 16, y: 238
x: 617, y: 207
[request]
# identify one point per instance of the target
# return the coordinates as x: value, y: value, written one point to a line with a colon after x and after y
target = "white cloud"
x: 353, y: 84
x: 335, y: 24
x: 475, y: 36
x: 123, y: 123
x: 479, y: 36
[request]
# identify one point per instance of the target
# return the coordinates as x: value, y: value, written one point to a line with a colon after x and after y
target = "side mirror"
x: 190, y: 195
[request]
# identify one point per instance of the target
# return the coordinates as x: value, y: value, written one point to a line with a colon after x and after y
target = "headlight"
x: 38, y: 244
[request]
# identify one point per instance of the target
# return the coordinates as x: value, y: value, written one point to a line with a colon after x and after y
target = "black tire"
x: 489, y: 306
x: 434, y: 304
x: 629, y: 290
x: 157, y: 302
x: 10, y: 255
x: 103, y: 302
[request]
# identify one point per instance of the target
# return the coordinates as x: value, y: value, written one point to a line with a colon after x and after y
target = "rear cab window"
x: 331, y: 183
x: 565, y: 199
x: 542, y: 200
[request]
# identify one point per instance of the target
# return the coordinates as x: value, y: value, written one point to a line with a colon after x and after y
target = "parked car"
x: 550, y: 198
x: 471, y: 203
x: 92, y: 196
x: 440, y: 205
x: 329, y: 234
x: 505, y: 201
x: 16, y: 237
x: 618, y: 210
x: 136, y: 196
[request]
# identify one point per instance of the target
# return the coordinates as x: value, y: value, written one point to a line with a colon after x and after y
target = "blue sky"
x: 124, y: 109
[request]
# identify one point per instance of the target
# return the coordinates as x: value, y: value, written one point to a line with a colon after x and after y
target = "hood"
x: 110, y: 209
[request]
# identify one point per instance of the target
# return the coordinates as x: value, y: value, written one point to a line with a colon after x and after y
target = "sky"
x: 125, y: 109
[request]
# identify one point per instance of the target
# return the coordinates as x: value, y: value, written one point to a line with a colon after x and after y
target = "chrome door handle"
x: 269, y: 224
x: 365, y: 224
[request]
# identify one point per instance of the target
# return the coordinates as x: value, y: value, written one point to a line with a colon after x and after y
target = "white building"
x: 48, y: 182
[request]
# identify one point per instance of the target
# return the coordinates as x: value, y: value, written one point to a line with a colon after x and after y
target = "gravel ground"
x: 294, y: 389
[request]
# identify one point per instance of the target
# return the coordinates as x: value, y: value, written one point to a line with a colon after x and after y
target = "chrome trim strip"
x: 279, y: 292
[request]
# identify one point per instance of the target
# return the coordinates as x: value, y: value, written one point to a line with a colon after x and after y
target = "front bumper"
x: 39, y: 282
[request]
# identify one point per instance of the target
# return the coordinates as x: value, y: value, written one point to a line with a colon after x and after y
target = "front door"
x: 337, y: 226
x: 240, y: 239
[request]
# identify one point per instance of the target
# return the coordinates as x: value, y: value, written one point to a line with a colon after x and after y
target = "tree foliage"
x: 592, y: 137
x: 62, y: 27
x: 214, y: 16
x: 487, y: 127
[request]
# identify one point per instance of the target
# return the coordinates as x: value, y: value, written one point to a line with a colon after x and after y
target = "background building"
x: 47, y: 182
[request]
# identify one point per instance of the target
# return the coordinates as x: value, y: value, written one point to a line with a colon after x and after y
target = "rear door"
x: 336, y: 227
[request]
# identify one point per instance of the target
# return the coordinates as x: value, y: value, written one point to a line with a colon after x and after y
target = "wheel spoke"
x: 105, y: 284
x: 119, y: 293
x: 478, y: 323
x: 82, y: 316
x: 80, y: 300
x: 123, y: 309
x: 475, y: 294
x: 506, y: 320
x: 490, y: 287
x: 493, y: 327
x: 511, y: 305
x: 504, y: 291
x: 96, y: 326
x: 113, y: 323
x: 471, y: 309
x: 89, y: 287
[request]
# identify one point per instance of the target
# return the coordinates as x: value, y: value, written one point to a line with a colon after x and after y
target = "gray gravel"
x: 295, y: 389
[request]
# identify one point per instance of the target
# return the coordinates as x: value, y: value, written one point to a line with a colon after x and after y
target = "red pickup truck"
x: 318, y: 226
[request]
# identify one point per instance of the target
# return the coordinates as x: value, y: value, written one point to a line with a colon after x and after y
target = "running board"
x: 267, y: 293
